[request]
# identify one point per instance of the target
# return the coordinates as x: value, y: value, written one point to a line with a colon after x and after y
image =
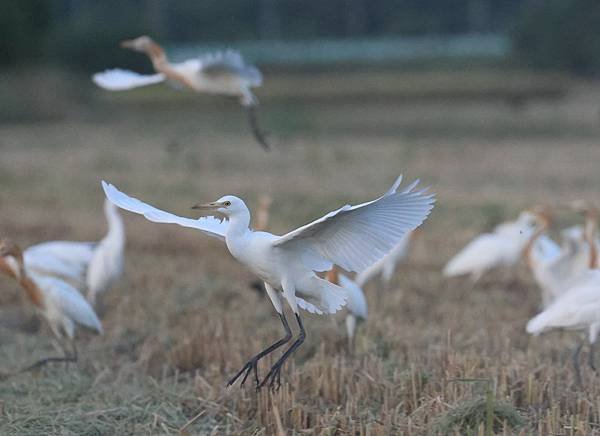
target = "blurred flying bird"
x: 501, y: 248
x: 224, y: 73
x: 93, y: 265
x: 356, y: 303
x: 352, y: 237
x: 57, y: 301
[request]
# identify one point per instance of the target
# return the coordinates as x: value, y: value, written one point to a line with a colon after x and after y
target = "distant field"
x: 183, y: 319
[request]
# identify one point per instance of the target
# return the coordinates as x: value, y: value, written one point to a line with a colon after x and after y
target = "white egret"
x: 106, y: 265
x: 554, y: 270
x: 501, y: 248
x: 94, y: 265
x: 356, y: 303
x: 577, y: 308
x: 57, y: 301
x: 352, y: 237
x: 223, y: 73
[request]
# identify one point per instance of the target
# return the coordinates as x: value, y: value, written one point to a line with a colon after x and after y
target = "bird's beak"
x: 128, y: 43
x: 208, y: 206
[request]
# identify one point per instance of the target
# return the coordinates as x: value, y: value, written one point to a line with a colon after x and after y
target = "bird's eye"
x: 227, y: 203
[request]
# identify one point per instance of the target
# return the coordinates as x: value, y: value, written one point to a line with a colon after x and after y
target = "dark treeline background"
x: 550, y: 34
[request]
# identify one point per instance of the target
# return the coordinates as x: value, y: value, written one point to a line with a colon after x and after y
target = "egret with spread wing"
x: 352, y: 237
x: 223, y: 73
x: 57, y: 301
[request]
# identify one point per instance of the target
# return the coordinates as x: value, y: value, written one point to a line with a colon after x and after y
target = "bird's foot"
x: 273, y: 377
x: 251, y: 365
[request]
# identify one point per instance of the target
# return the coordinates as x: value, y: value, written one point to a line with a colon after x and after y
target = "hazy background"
x: 494, y: 104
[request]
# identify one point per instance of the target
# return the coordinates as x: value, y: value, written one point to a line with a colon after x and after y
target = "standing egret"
x: 356, y: 303
x: 577, y: 308
x: 57, y: 301
x: 224, y: 73
x: 555, y: 270
x: 106, y: 265
x: 94, y: 265
x: 501, y: 248
x: 352, y: 237
x: 590, y: 233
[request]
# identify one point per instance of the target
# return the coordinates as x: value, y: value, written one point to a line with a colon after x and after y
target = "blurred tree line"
x: 561, y: 34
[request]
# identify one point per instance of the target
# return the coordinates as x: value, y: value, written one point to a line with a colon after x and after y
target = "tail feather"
x: 538, y: 324
x: 325, y: 297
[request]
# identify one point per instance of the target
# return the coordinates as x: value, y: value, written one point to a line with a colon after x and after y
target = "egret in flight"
x: 224, y: 73
x: 93, y: 265
x: 57, y: 301
x: 351, y: 237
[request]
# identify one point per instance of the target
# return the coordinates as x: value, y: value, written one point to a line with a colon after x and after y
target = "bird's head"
x: 542, y: 213
x: 228, y: 205
x: 11, y: 258
x: 141, y: 43
x: 585, y: 207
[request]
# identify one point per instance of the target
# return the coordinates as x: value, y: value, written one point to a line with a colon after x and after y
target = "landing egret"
x: 356, y: 303
x: 578, y: 308
x: 501, y: 248
x: 352, y: 237
x: 94, y: 265
x: 225, y: 73
x: 57, y: 301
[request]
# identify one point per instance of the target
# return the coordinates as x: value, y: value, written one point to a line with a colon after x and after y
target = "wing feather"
x: 121, y: 80
x: 355, y: 237
x: 211, y: 226
x: 229, y: 62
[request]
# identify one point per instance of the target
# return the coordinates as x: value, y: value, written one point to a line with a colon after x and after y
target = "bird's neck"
x: 528, y: 249
x: 237, y: 231
x: 590, y: 236
x: 116, y: 230
x: 157, y: 55
x: 32, y: 290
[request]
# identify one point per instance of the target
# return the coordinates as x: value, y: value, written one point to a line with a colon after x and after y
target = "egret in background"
x: 501, y: 248
x: 352, y: 237
x: 93, y: 265
x: 57, y: 301
x: 386, y: 266
x: 578, y: 308
x: 223, y: 73
x: 356, y: 303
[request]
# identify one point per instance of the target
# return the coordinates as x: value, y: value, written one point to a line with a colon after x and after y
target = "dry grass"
x: 183, y: 319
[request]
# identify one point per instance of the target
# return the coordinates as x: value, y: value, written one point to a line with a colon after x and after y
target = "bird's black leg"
x: 576, y: 363
x: 274, y: 374
x: 591, y: 356
x: 68, y: 357
x: 259, y: 135
x: 252, y: 364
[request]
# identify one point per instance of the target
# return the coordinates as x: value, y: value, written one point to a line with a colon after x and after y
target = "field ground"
x: 183, y: 318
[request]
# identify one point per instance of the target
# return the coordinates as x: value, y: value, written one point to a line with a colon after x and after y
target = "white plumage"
x: 224, y: 73
x: 352, y: 237
x: 93, y: 265
x: 501, y: 248
x: 577, y: 308
x: 356, y: 305
x: 59, y: 303
x: 386, y: 266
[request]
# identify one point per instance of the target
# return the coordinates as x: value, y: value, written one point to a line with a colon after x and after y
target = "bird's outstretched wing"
x: 355, y: 237
x: 259, y: 135
x: 229, y: 63
x: 121, y: 80
x: 208, y: 225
